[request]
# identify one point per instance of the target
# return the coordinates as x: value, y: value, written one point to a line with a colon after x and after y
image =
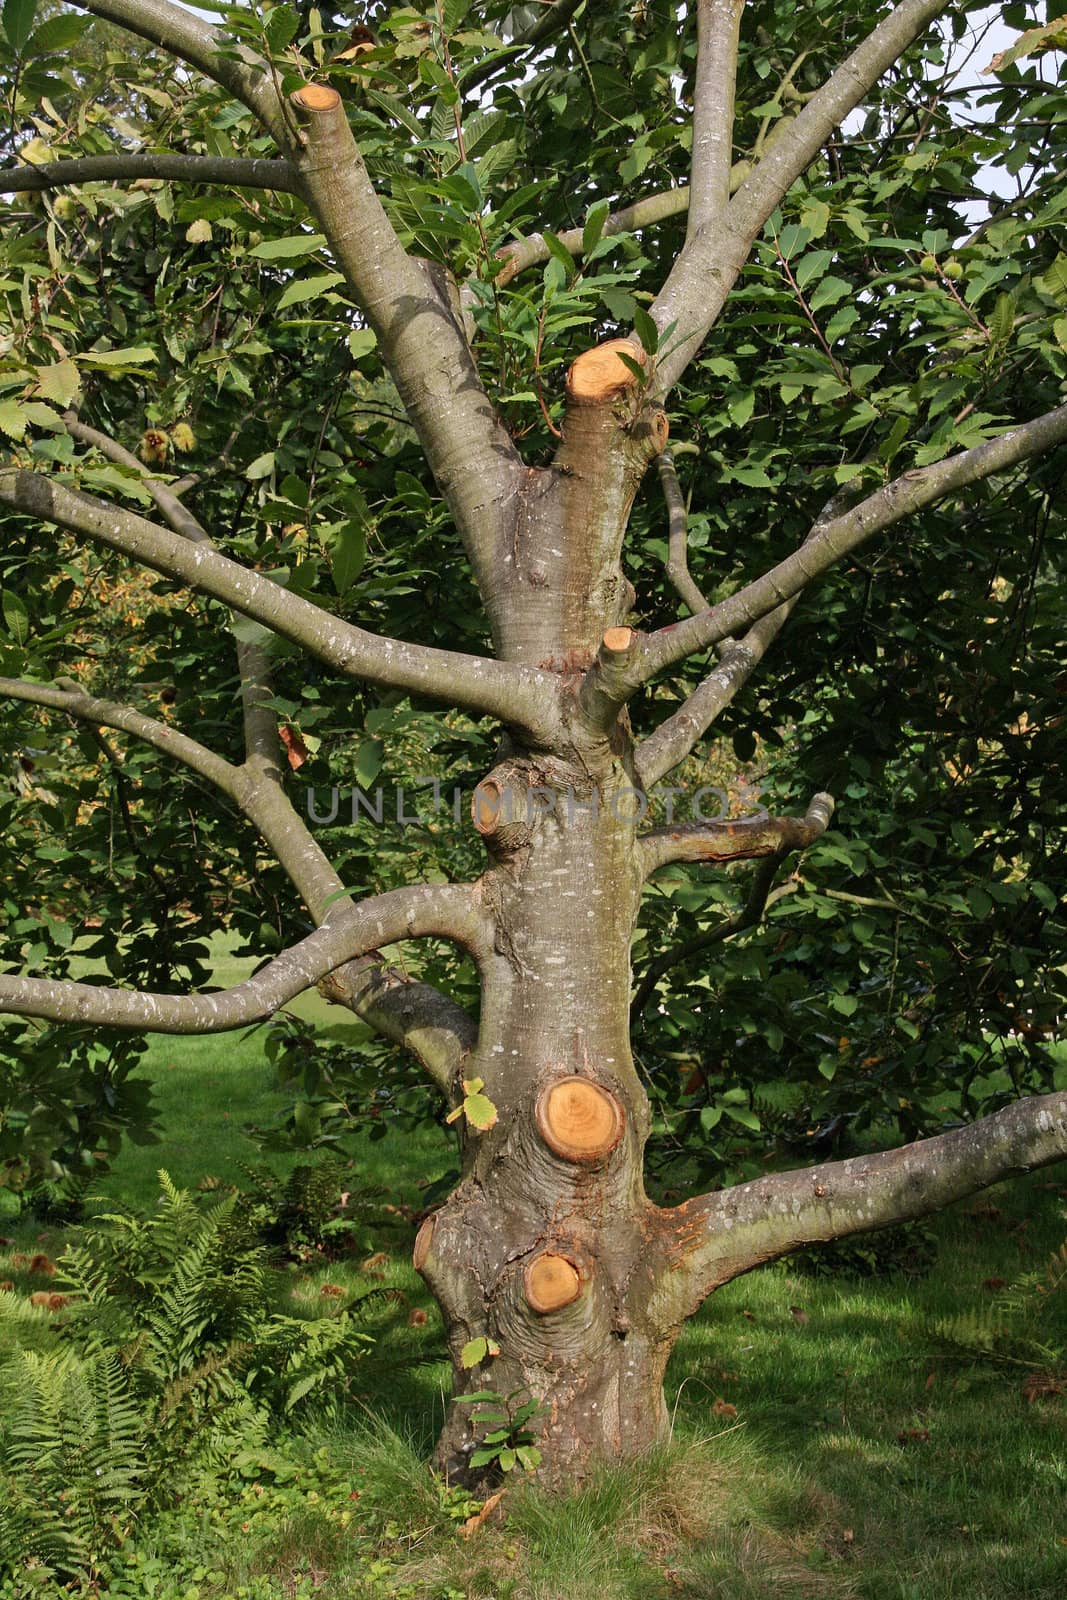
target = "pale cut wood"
x: 598, y: 375
x: 551, y: 1282
x: 423, y: 1241
x: 316, y: 97
x: 579, y: 1120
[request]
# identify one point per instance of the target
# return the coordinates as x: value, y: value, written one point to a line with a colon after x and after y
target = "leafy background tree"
x: 888, y: 316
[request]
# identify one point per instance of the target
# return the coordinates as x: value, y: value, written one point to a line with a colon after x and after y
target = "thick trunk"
x: 544, y: 1246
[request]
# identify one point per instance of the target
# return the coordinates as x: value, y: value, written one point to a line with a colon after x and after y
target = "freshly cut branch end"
x: 579, y: 1120
x: 617, y: 641
x: 316, y: 97
x: 599, y: 375
x: 423, y: 1241
x: 551, y: 1282
x: 486, y: 804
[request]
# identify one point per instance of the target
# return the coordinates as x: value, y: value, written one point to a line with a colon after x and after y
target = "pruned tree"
x: 554, y: 1272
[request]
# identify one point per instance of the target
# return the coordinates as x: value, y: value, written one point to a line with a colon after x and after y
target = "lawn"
x: 829, y: 1439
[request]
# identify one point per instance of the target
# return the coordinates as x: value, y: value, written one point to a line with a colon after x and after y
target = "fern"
x: 1017, y: 1328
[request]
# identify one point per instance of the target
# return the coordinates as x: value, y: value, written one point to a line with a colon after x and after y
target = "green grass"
x: 839, y: 1453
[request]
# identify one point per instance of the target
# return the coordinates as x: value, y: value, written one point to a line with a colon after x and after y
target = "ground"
x: 826, y: 1442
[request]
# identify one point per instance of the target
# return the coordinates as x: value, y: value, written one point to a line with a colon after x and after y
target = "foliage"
x: 171, y: 1357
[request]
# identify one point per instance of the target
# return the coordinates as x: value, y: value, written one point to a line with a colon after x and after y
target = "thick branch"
x: 409, y: 304
x: 735, y: 841
x: 224, y: 170
x: 513, y: 693
x: 437, y: 910
x: 708, y: 1241
x: 836, y: 538
x: 705, y: 271
x: 750, y: 914
x: 68, y: 697
x: 181, y: 34
x: 718, y: 22
x: 437, y: 1032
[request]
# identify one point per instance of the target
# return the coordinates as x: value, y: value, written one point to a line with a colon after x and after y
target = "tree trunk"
x: 544, y: 1246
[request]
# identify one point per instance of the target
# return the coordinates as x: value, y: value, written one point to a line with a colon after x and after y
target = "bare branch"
x: 838, y: 537
x: 437, y: 1032
x: 70, y: 698
x: 676, y: 737
x: 531, y: 251
x: 710, y: 1240
x: 673, y: 740
x: 181, y: 34
x: 420, y: 330
x: 735, y: 841
x: 705, y: 271
x: 437, y: 910
x: 759, y: 897
x: 224, y: 170
x: 513, y: 693
x: 253, y: 662
x: 718, y: 22
x: 678, y: 535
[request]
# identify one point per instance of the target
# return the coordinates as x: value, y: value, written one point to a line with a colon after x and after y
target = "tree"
x: 555, y: 1274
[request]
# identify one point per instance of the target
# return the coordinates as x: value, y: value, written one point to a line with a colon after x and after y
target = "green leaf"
x: 558, y: 250
x: 281, y: 28
x: 646, y: 331
x: 59, y: 382
x: 261, y: 467
x: 308, y: 288
x: 58, y: 33
x: 829, y: 292
x: 361, y: 342
x: 747, y: 1119
x: 18, y: 18
x: 480, y: 1111
x: 16, y: 618
x: 295, y: 244
x: 348, y: 552
x: 473, y: 1352
x: 141, y: 355
x: 595, y: 219
x: 812, y: 265
x: 13, y: 419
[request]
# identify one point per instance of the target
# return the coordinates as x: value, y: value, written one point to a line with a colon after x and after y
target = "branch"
x: 678, y: 526
x: 225, y: 170
x: 437, y: 1031
x: 735, y: 841
x: 70, y: 698
x: 672, y: 741
x: 706, y: 269
x: 748, y: 917
x: 437, y: 910
x: 557, y: 14
x: 718, y: 23
x: 181, y: 34
x: 832, y: 540
x: 710, y: 1240
x: 531, y: 251
x: 253, y: 662
x: 409, y: 304
x: 515, y: 694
